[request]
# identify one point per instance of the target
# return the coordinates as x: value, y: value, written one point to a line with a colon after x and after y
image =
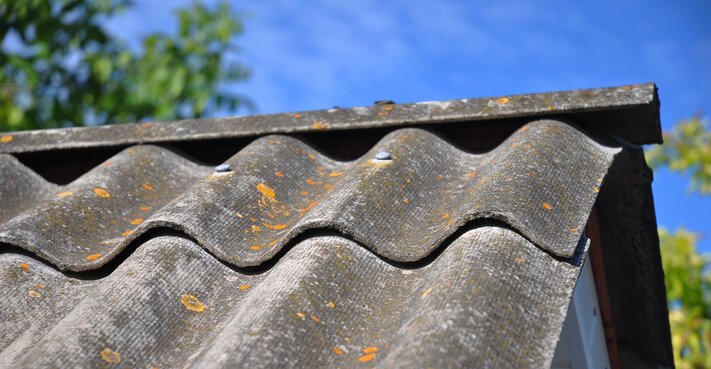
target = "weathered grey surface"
x: 542, y: 181
x: 20, y: 188
x: 491, y: 299
x: 631, y: 112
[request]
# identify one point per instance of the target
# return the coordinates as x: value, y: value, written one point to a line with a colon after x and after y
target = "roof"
x: 418, y: 250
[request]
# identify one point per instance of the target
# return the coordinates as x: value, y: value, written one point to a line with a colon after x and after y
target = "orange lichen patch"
x: 573, y: 230
x: 315, y: 319
x: 238, y: 215
x: 471, y: 174
x: 110, y: 356
x: 266, y: 191
x: 312, y: 156
x: 256, y: 228
x: 297, y: 115
x: 626, y: 87
x: 279, y: 174
x: 599, y: 180
x: 370, y: 350
x: 445, y: 215
x: 6, y: 139
x: 335, y: 174
x: 192, y: 303
x: 328, y: 187
x: 547, y: 206
x: 275, y: 227
x: 405, y: 200
x: 145, y: 208
x: 520, y: 260
x: 64, y: 194
x: 255, y: 247
x: 92, y: 257
x: 244, y: 287
x: 427, y: 292
x: 253, y: 219
x: 311, y: 206
x: 366, y: 358
x: 147, y: 187
x: 34, y: 294
x: 331, y: 305
x: 287, y: 213
x: 318, y: 125
x: 311, y: 182
x: 503, y: 100
x: 337, y: 350
x: 271, y: 244
x: 106, y: 164
x: 25, y: 266
x: 137, y: 221
x: 38, y: 286
x: 126, y: 232
x: 102, y: 192
x: 300, y: 315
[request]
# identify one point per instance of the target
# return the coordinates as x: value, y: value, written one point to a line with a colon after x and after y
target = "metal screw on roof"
x: 223, y: 168
x: 384, y: 102
x: 383, y: 155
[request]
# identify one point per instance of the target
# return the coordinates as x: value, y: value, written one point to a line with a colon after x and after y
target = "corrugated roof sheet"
x: 434, y: 258
x: 542, y: 181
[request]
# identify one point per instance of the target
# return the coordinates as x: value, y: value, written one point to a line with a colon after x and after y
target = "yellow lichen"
x: 110, y: 356
x: 266, y: 191
x: 192, y: 303
x: 101, y: 192
x: 370, y: 350
x: 366, y: 358
x: 137, y: 221
x: 34, y: 294
x: 275, y: 227
x: 6, y: 139
x: 244, y: 287
x: 427, y: 292
x: 64, y: 194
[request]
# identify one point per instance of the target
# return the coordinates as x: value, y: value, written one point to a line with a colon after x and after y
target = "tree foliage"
x: 687, y: 148
x: 59, y: 66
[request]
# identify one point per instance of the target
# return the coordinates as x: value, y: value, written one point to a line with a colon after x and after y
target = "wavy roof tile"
x: 436, y: 255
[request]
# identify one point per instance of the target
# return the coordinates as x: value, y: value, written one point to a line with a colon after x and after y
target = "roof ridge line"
x: 618, y: 102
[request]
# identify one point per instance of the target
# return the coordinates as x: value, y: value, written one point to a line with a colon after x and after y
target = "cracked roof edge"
x: 640, y: 100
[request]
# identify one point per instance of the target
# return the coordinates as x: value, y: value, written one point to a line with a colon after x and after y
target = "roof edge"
x: 630, y: 112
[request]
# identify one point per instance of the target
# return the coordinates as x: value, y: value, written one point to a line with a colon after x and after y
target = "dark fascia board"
x: 625, y: 112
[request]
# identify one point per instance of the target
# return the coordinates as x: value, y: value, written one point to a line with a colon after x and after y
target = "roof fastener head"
x: 383, y: 155
x: 223, y: 168
x: 384, y: 102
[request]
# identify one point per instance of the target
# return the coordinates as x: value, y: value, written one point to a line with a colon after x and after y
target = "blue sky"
x: 314, y: 54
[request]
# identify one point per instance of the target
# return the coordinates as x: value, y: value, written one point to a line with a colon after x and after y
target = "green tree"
x: 60, y: 67
x: 687, y: 148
